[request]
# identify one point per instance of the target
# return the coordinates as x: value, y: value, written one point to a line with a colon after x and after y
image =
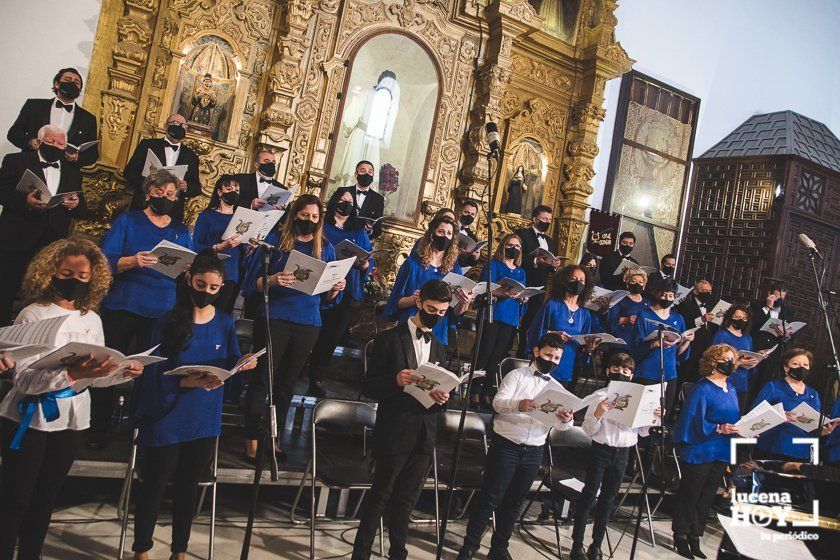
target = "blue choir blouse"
x: 626, y: 307
x: 740, y: 378
x: 706, y: 406
x: 832, y: 444
x: 209, y: 227
x: 356, y: 278
x: 779, y: 440
x: 507, y: 310
x: 647, y: 358
x: 555, y: 315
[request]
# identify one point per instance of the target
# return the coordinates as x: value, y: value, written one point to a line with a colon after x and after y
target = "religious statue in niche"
x: 206, y: 86
x: 527, y: 171
x: 559, y: 17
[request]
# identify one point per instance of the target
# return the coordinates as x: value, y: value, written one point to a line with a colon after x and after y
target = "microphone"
x: 663, y: 326
x: 810, y: 245
x: 267, y: 246
x: 492, y: 131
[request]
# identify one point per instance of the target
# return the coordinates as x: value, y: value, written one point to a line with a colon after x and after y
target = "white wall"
x: 739, y: 57
x: 38, y: 37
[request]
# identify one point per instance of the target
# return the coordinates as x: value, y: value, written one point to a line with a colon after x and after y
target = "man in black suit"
x: 170, y: 151
x: 252, y: 186
x: 466, y: 213
x: 369, y: 204
x: 696, y: 310
x: 60, y: 111
x: 609, y: 264
x: 27, y: 224
x: 665, y: 274
x: 772, y: 306
x: 404, y: 435
x: 537, y: 269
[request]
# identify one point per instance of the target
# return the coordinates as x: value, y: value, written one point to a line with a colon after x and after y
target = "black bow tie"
x: 360, y: 192
x: 426, y: 336
x: 542, y: 236
x: 45, y: 164
x: 60, y: 105
x: 266, y: 181
x: 173, y: 147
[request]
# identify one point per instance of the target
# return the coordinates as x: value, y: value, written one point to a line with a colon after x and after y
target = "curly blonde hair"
x: 425, y: 249
x: 636, y: 272
x: 37, y: 284
x: 710, y: 358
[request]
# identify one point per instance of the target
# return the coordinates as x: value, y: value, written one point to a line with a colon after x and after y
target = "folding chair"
x: 339, y: 456
x: 507, y: 365
x: 366, y: 354
x: 125, y: 495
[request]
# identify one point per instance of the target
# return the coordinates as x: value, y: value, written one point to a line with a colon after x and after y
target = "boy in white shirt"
x: 516, y: 450
x: 611, y: 443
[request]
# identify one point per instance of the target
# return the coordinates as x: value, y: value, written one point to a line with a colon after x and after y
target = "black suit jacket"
x: 35, y: 113
x: 690, y: 311
x: 609, y: 264
x: 400, y: 418
x: 762, y: 339
x: 248, y: 190
x: 23, y: 228
x: 467, y: 259
x: 534, y: 276
x: 373, y: 208
x: 133, y: 173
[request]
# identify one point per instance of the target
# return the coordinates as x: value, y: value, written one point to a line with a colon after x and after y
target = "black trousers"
x: 495, y: 343
x: 14, y: 269
x: 698, y: 486
x: 291, y: 344
x: 124, y: 331
x: 250, y: 304
x: 605, y: 471
x: 31, y: 479
x: 397, y: 483
x: 183, y: 463
x: 531, y: 309
x: 335, y: 320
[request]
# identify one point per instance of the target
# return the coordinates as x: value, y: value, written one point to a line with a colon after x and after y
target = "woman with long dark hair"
x: 436, y: 256
x: 563, y: 313
x: 44, y: 417
x: 340, y: 224
x: 735, y: 331
x: 179, y: 418
x: 294, y: 317
x: 207, y: 234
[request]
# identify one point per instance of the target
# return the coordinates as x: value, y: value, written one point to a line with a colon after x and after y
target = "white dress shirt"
x: 422, y: 349
x: 52, y: 175
x: 607, y: 432
x: 772, y: 312
x: 170, y: 154
x: 541, y: 239
x: 511, y: 424
x: 698, y: 322
x: 60, y: 117
x: 262, y: 184
x: 74, y: 412
x: 361, y: 194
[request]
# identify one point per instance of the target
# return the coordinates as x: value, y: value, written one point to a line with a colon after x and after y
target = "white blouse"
x: 74, y: 411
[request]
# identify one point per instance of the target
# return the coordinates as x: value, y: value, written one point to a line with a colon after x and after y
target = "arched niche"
x: 388, y: 112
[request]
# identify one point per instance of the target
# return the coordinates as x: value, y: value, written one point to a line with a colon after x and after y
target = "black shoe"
x: 594, y: 553
x: 694, y: 546
x: 98, y: 441
x: 316, y: 390
x: 496, y: 555
x: 577, y: 552
x: 465, y: 554
x: 682, y: 548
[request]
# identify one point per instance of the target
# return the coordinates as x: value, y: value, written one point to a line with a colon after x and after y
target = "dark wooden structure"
x: 774, y: 177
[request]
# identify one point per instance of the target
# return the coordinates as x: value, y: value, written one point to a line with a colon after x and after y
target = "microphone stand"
x: 832, y: 366
x: 268, y: 430
x: 486, y: 318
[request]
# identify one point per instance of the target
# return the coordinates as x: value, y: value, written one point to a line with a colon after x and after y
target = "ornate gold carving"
x: 541, y: 73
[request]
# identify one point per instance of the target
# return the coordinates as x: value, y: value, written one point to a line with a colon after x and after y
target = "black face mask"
x: 161, y: 205
x: 344, y: 208
x: 176, y: 131
x: 50, y: 153
x: 799, y: 373
x: 543, y: 226
x: 668, y: 270
x: 70, y: 289
x: 665, y: 303
x: 267, y: 169
x: 625, y: 249
x: 365, y: 179
x: 635, y: 289
x: 69, y: 90
x: 778, y: 302
x: 726, y: 368
x: 619, y: 376
x: 738, y: 324
x: 305, y: 227
x: 202, y: 299
x: 705, y: 297
x: 466, y: 219
x: 428, y: 320
x: 544, y: 366
x: 511, y: 252
x: 230, y: 197
x: 575, y: 287
x: 441, y: 242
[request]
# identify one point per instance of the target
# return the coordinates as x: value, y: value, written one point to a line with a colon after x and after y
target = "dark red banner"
x: 603, y: 232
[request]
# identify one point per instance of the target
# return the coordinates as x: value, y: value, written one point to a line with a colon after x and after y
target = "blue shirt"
x: 143, y: 291
x: 647, y: 358
x: 209, y: 227
x: 779, y: 439
x: 740, y: 378
x: 832, y: 444
x: 626, y: 307
x: 165, y: 412
x: 356, y: 278
x: 284, y: 303
x: 507, y: 310
x: 706, y: 406
x: 411, y: 277
x: 555, y: 315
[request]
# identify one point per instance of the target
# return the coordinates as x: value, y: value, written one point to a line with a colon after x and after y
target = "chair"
x: 125, y: 495
x: 366, y: 354
x: 507, y: 365
x: 339, y: 455
x: 245, y: 334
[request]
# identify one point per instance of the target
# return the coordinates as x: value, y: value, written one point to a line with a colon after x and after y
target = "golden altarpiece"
x: 408, y: 82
